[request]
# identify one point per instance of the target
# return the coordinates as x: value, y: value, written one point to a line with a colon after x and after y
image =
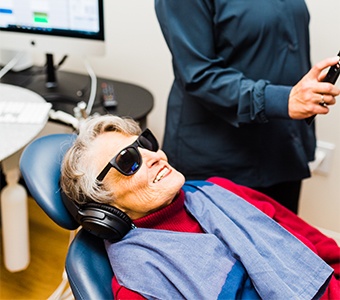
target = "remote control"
x: 331, y: 77
x: 108, y: 95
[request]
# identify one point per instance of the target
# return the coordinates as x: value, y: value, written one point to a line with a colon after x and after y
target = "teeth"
x: 160, y: 175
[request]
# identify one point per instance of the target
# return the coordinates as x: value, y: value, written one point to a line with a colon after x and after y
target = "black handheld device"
x: 333, y: 72
x: 331, y: 77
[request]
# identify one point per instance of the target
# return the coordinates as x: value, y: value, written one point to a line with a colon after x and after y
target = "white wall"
x: 320, y: 201
x: 137, y: 53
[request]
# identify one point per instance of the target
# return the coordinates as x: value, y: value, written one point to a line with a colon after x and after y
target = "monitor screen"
x: 52, y: 26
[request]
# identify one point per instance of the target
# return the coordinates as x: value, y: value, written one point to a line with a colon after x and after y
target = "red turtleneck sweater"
x: 175, y: 217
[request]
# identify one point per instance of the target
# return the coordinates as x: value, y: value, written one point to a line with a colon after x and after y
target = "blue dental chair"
x: 87, y: 265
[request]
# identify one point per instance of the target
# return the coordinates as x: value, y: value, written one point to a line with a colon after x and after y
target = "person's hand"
x: 308, y: 95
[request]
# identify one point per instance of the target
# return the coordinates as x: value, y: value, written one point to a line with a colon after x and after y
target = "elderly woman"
x: 193, y: 240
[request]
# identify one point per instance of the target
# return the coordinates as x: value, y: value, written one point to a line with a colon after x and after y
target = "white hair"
x: 78, y: 176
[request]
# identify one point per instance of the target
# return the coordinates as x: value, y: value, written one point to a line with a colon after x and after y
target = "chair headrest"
x: 40, y: 165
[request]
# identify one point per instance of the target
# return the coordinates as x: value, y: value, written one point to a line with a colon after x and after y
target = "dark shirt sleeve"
x: 276, y: 101
x: 206, y: 72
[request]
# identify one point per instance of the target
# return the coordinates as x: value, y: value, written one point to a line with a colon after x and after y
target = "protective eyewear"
x: 129, y: 160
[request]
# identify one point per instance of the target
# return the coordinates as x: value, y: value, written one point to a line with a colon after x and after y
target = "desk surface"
x: 133, y: 101
x: 14, y: 136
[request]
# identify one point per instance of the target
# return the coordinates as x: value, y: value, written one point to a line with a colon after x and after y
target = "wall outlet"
x: 323, y: 158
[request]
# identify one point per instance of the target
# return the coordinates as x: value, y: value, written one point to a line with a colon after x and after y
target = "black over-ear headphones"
x: 102, y: 220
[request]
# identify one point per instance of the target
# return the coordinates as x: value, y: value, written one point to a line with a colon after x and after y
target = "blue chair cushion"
x: 88, y: 268
x: 40, y: 168
x: 87, y: 265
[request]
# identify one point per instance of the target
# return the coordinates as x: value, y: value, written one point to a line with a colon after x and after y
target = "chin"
x: 179, y: 180
x: 173, y: 182
x: 177, y: 174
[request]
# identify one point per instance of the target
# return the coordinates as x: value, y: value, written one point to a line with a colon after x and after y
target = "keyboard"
x: 24, y: 112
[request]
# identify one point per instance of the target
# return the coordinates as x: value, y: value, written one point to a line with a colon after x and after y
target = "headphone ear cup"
x: 104, y: 221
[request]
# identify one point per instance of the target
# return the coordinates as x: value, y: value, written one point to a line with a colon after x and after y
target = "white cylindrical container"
x: 14, y: 215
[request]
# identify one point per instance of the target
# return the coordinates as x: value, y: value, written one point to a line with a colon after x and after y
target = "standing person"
x: 243, y: 81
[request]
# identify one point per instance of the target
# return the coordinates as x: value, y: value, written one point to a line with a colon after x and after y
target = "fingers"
x: 321, y: 108
x: 317, y: 69
x: 325, y: 100
x: 311, y: 96
x: 327, y: 89
x: 322, y: 102
x: 324, y: 88
x: 320, y: 105
x: 304, y: 101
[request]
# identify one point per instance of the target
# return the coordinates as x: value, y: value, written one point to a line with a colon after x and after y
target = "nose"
x: 150, y: 157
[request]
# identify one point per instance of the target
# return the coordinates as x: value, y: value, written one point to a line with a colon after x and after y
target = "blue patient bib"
x: 244, y: 254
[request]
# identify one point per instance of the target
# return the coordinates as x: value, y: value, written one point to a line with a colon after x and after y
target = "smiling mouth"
x: 161, y: 174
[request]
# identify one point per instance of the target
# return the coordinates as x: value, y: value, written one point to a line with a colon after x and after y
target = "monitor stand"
x: 63, y: 89
x: 51, y: 78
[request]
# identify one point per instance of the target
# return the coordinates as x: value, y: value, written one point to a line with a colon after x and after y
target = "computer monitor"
x: 63, y: 27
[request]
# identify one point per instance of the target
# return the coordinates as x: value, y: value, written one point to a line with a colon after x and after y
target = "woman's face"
x: 152, y: 187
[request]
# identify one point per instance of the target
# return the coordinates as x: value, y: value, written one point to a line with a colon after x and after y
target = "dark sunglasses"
x: 129, y: 160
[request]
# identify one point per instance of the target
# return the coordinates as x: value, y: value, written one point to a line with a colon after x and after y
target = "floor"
x: 48, y: 245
